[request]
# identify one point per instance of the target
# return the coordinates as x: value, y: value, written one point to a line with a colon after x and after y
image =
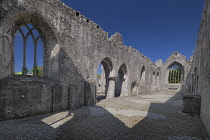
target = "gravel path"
x: 154, y: 116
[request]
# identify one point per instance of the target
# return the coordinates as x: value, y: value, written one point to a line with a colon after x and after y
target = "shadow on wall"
x: 62, y: 86
x: 142, y: 84
x: 163, y: 121
x: 121, y: 80
x: 186, y: 85
x: 26, y: 96
x: 190, y: 85
x: 80, y: 92
x: 134, y: 88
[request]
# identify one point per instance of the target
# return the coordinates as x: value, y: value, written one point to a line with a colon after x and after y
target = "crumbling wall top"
x: 176, y: 55
x: 159, y: 63
x: 116, y: 39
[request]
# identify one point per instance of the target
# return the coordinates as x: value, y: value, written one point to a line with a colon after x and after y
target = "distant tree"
x: 25, y: 70
x: 39, y: 71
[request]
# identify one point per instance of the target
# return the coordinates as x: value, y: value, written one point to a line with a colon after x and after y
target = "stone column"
x: 111, y: 87
x: 123, y: 88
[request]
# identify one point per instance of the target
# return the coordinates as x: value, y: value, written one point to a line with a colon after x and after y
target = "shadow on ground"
x: 153, y: 116
x: 100, y: 97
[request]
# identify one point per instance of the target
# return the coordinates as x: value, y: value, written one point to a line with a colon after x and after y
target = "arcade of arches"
x: 77, y: 76
x: 61, y: 61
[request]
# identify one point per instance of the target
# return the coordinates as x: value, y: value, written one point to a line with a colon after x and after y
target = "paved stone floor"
x: 153, y: 116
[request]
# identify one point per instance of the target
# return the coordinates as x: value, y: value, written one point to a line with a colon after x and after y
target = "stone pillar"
x: 111, y: 87
x: 123, y: 88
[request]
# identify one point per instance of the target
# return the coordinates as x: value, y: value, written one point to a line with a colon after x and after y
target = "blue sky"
x: 156, y: 28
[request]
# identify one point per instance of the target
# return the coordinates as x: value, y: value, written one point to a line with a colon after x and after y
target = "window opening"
x: 28, y: 52
x: 174, y: 75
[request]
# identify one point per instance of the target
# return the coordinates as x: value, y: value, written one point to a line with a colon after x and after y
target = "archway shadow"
x: 100, y: 97
x: 162, y: 120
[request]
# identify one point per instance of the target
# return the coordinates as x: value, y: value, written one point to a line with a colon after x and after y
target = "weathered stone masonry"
x: 198, y: 79
x: 175, y: 59
x: 74, y: 46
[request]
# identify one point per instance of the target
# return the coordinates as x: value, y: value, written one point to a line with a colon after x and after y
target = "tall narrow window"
x: 28, y: 52
x: 174, y: 75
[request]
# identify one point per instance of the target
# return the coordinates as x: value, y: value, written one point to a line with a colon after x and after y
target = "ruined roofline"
x: 133, y: 50
x: 116, y: 40
x: 77, y: 15
x: 176, y: 56
x: 62, y: 7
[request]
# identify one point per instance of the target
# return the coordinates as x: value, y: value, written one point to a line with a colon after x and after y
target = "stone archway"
x: 103, y: 78
x: 179, y: 64
x: 120, y: 88
x: 40, y: 94
x: 50, y: 41
x: 174, y: 75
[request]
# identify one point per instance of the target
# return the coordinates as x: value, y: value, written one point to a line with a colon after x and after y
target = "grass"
x: 18, y: 73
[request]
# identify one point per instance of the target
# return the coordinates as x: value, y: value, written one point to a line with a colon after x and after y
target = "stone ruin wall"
x: 178, y: 59
x: 198, y: 79
x: 74, y: 46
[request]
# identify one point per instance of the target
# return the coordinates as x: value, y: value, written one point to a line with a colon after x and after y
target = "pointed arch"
x: 121, y: 83
x: 49, y: 39
x: 175, y: 73
x: 143, y: 75
x: 105, y: 67
x: 29, y: 51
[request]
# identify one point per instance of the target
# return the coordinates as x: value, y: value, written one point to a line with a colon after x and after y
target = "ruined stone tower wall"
x: 198, y: 79
x: 74, y: 46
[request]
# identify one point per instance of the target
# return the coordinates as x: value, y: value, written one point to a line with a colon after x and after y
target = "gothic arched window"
x: 175, y: 74
x: 28, y: 51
